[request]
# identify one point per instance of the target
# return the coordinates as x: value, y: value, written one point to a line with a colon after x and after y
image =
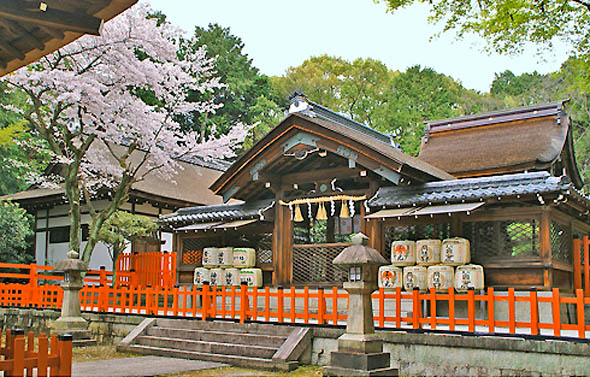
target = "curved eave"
x: 381, y: 153
x: 106, y: 13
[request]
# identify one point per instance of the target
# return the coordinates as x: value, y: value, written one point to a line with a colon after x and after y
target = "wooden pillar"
x: 376, y: 236
x: 545, y: 247
x: 282, y: 244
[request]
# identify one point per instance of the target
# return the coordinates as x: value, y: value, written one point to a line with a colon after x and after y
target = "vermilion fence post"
x: 432, y: 308
x: 65, y: 355
x: 555, y: 307
x: 416, y: 310
x: 471, y: 309
x: 491, y: 311
x: 398, y: 307
x: 103, y: 276
x: 33, y: 284
x: 243, y: 301
x: 18, y: 355
x: 293, y: 313
x: 53, y: 370
x: 580, y: 312
x: 205, y: 301
x: 267, y: 303
x: 511, y: 312
x: 42, y: 351
x: 577, y: 263
x: 280, y: 304
x: 30, y: 341
x: 255, y: 303
x: 451, y: 309
x: 305, y: 304
x: 321, y: 306
x: 534, y: 309
x: 587, y: 265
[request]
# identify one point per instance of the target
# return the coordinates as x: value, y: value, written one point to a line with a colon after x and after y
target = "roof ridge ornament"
x: 299, y: 104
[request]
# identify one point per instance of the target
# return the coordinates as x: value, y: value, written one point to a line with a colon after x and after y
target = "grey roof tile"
x: 226, y: 212
x: 472, y: 189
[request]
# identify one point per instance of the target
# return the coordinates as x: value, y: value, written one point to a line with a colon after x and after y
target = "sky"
x: 279, y: 34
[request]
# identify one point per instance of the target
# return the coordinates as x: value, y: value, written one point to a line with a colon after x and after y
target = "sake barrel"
x: 216, y: 277
x: 244, y: 257
x: 441, y: 277
x: 455, y: 251
x: 390, y: 277
x: 201, y: 275
x: 231, y: 276
x: 225, y: 256
x: 403, y: 253
x: 469, y: 276
x: 251, y: 276
x: 428, y: 252
x: 415, y: 276
x: 210, y: 257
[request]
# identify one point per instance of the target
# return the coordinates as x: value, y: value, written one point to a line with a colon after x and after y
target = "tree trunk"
x: 117, y: 199
x: 73, y: 195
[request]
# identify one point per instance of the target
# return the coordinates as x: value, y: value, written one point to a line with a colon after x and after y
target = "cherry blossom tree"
x: 107, y: 108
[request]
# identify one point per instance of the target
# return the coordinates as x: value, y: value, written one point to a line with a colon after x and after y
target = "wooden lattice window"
x: 561, y: 243
x: 192, y: 250
x: 502, y: 239
x: 313, y: 263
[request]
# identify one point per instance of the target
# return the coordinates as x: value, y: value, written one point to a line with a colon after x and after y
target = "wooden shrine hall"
x: 318, y: 177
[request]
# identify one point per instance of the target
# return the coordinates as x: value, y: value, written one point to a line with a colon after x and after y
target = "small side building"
x: 151, y: 197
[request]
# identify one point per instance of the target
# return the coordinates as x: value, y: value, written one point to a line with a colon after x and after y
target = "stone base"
x: 69, y: 323
x: 344, y: 363
x: 360, y: 343
x: 77, y: 327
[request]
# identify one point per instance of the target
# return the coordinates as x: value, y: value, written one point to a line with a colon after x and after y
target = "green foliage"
x: 246, y: 97
x: 22, y: 152
x: 15, y: 229
x: 508, y: 24
x: 122, y: 228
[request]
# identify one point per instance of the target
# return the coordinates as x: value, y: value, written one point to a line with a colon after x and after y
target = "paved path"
x: 139, y: 366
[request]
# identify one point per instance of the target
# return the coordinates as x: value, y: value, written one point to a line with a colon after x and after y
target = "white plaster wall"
x: 167, y: 238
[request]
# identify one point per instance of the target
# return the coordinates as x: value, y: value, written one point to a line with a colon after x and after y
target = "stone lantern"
x: 71, y: 320
x: 360, y: 350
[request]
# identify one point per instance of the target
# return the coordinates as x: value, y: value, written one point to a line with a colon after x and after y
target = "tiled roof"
x: 471, y: 189
x: 226, y: 212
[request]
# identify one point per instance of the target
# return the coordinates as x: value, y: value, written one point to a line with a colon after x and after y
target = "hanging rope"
x: 323, y: 199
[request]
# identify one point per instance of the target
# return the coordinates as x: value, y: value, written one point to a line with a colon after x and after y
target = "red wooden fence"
x: 152, y: 269
x: 18, y: 358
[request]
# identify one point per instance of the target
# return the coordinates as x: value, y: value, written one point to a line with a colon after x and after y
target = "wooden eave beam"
x: 54, y: 18
x: 10, y: 49
x: 23, y: 33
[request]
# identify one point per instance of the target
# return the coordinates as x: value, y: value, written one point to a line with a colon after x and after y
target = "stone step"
x: 243, y: 361
x: 218, y: 336
x: 77, y: 343
x: 208, y: 347
x: 227, y: 326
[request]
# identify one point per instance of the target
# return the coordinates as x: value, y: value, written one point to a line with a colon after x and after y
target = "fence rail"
x: 54, y: 355
x: 489, y: 311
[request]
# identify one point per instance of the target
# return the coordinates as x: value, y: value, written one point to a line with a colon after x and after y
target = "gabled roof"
x: 316, y: 127
x: 508, y: 141
x: 476, y: 189
x: 33, y: 29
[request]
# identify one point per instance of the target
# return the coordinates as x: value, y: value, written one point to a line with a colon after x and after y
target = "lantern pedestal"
x: 360, y: 350
x: 71, y: 321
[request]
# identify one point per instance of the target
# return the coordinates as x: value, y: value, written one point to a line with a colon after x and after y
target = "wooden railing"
x: 152, y: 269
x: 582, y: 264
x: 55, y: 356
x: 489, y: 311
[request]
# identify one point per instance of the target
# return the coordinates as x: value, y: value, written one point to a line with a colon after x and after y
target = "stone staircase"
x: 260, y: 346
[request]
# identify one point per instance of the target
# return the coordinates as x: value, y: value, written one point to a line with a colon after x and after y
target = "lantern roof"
x: 359, y: 254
